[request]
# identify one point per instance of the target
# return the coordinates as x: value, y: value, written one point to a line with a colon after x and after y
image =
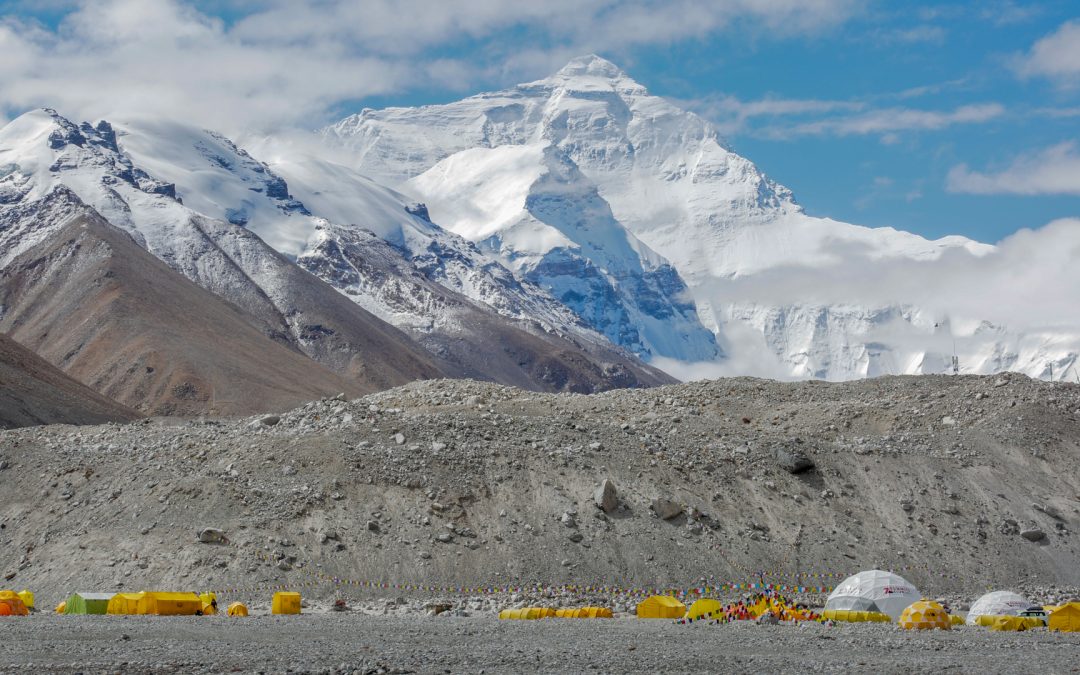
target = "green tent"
x: 88, y: 603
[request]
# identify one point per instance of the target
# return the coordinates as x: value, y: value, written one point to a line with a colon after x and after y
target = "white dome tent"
x: 874, y: 591
x: 997, y: 603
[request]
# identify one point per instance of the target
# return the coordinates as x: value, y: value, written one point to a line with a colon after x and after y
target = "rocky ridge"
x: 960, y: 483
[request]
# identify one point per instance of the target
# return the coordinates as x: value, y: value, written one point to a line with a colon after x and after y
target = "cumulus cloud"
x: 283, y: 62
x: 1019, y: 296
x: 1027, y: 282
x: 1055, y: 170
x: 1056, y: 56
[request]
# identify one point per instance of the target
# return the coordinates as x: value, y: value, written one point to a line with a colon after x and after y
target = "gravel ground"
x: 334, y: 643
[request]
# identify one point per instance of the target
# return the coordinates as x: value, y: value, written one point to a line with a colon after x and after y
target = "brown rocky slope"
x: 33, y: 391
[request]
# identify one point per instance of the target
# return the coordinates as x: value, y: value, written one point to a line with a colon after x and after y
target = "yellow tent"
x: 61, y: 607
x: 660, y: 607
x: 209, y: 603
x: 1007, y: 622
x: 528, y: 613
x: 129, y: 603
x: 1065, y: 618
x: 175, y: 604
x: 238, y: 609
x: 924, y: 615
x: 285, y: 602
x: 705, y: 608
x: 155, y: 602
x: 956, y: 620
x: 11, y: 604
x: 28, y: 598
x: 853, y: 616
x: 592, y: 613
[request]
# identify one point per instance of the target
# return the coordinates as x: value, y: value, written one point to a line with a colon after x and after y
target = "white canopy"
x: 874, y: 591
x: 997, y: 603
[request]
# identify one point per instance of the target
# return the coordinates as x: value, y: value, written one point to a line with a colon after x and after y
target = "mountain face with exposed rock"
x: 412, y: 302
x: 655, y: 186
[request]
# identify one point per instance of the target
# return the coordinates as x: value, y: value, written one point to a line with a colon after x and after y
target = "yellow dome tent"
x: 27, y: 598
x: 61, y: 607
x: 12, y: 605
x: 238, y: 609
x: 209, y: 603
x: 956, y: 620
x: 660, y: 607
x: 285, y: 602
x: 1065, y: 618
x: 705, y: 608
x: 924, y: 615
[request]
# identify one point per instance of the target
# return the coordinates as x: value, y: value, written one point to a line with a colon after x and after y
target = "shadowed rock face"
x: 33, y: 391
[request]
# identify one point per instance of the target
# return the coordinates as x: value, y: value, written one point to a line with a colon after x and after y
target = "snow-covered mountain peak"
x: 664, y: 175
x: 588, y: 74
x: 590, y: 65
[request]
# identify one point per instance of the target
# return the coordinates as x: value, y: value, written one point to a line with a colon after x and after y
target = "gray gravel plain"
x: 357, y: 643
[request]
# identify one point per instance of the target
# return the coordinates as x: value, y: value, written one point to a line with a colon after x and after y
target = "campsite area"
x: 492, y: 498
x: 353, y: 642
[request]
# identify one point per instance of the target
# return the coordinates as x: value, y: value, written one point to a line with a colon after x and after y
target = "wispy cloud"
x: 1055, y: 57
x: 1055, y: 170
x: 732, y: 115
x: 887, y: 121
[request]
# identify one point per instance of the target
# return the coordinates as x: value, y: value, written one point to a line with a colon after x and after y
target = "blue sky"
x: 936, y: 117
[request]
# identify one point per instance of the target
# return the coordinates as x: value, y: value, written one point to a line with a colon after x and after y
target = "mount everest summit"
x: 570, y: 234
x: 752, y: 261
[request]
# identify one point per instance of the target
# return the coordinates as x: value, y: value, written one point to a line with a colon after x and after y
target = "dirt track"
x: 348, y: 643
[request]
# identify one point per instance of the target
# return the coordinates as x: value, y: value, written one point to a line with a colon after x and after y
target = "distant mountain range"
x: 570, y: 234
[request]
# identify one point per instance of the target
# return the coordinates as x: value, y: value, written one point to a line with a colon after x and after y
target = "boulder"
x: 664, y: 508
x: 270, y: 420
x: 606, y: 496
x: 792, y: 460
x: 1033, y: 534
x: 1049, y: 510
x: 211, y: 535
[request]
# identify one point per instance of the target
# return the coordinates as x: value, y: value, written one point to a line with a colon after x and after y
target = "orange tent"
x: 12, y: 605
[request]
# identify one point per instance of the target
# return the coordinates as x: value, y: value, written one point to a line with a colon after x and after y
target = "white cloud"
x: 888, y: 121
x: 732, y: 115
x: 1055, y: 170
x: 286, y: 62
x: 1027, y: 282
x: 1056, y: 56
